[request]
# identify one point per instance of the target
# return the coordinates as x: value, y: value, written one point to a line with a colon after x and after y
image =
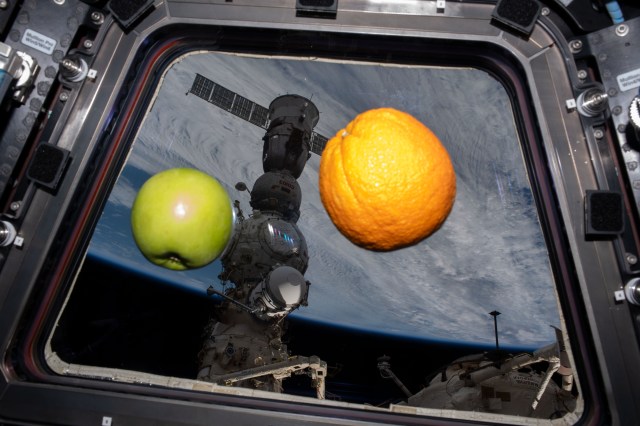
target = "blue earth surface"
x: 489, y: 255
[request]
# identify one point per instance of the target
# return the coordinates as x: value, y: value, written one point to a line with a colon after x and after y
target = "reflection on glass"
x: 489, y: 255
x: 280, y: 239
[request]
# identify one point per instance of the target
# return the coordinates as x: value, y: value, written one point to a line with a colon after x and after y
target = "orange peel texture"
x: 386, y: 180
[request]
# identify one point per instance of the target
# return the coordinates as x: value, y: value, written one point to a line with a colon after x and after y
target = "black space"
x: 119, y: 319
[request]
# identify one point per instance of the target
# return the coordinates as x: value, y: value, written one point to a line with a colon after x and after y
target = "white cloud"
x: 488, y: 255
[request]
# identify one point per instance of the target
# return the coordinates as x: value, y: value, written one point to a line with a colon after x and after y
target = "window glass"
x: 489, y: 255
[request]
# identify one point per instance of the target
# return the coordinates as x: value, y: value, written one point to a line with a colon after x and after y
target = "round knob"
x: 633, y: 128
x: 7, y: 233
x: 592, y: 102
x: 632, y: 291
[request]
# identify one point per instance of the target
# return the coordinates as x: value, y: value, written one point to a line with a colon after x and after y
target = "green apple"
x: 181, y: 219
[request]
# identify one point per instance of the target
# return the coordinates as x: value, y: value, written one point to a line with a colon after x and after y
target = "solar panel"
x: 260, y: 116
x: 318, y: 143
x: 202, y: 87
x: 242, y: 107
x: 222, y: 97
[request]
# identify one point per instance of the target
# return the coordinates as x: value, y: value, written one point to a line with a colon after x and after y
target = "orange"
x: 386, y: 180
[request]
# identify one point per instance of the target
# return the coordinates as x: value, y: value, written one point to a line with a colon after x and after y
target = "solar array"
x: 242, y: 107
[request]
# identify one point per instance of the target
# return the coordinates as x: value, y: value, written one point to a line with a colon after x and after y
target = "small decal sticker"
x: 629, y: 80
x: 38, y: 41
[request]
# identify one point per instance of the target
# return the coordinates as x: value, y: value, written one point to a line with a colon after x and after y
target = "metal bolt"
x: 582, y: 74
x: 576, y: 45
x: 70, y: 65
x: 88, y: 44
x: 631, y: 258
x: 545, y: 11
x: 97, y: 17
x: 15, y: 206
x: 622, y: 30
x: 612, y: 91
x: 592, y: 102
x: 617, y: 110
x: 598, y: 134
x: 4, y: 4
x: 64, y: 97
x: 73, y: 68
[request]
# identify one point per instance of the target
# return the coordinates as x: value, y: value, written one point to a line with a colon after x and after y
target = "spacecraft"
x: 265, y: 262
x: 266, y: 259
x: 78, y: 80
x: 537, y: 384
